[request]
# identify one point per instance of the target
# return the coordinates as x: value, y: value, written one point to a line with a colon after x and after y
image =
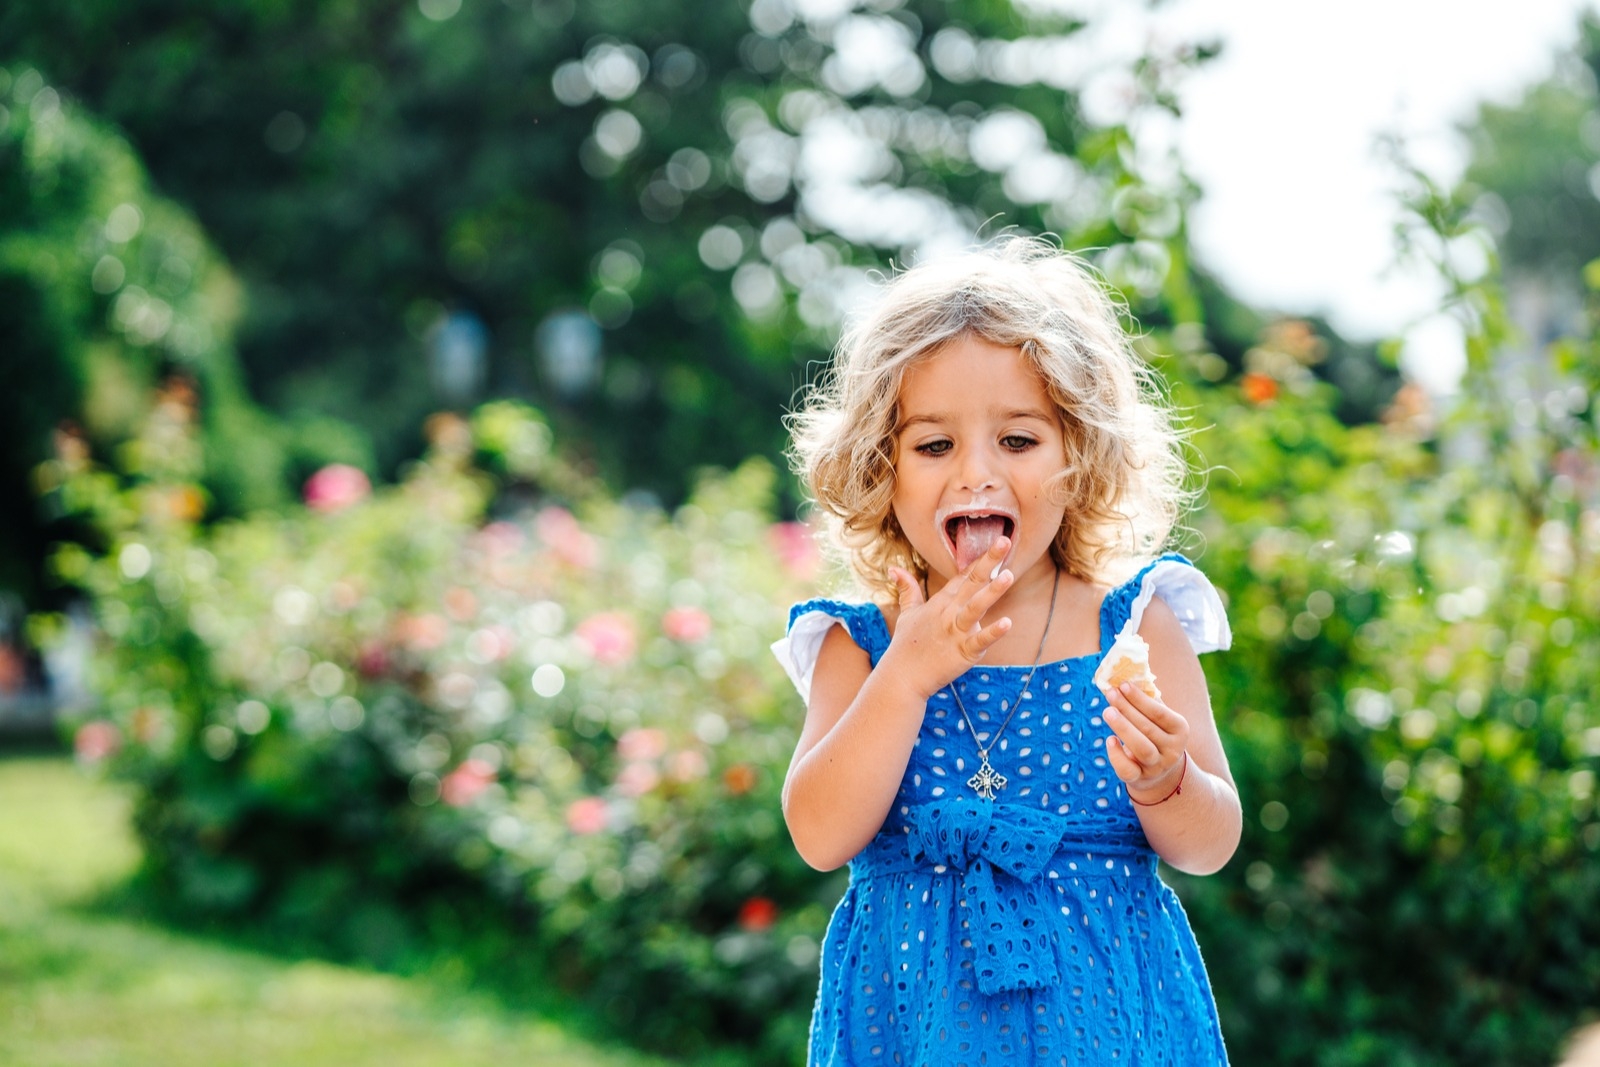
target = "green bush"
x: 338, y: 712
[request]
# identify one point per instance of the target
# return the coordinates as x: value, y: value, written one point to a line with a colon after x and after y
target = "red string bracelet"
x: 1175, y: 789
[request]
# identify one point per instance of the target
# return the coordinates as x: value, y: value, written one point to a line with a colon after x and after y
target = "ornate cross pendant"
x: 987, y: 782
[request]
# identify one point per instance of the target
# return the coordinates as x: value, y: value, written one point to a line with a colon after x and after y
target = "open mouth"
x: 970, y: 534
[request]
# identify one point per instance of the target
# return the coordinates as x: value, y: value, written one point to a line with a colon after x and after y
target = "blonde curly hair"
x: 1123, y: 475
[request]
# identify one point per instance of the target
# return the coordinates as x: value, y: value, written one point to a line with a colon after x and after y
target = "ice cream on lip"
x: 970, y: 529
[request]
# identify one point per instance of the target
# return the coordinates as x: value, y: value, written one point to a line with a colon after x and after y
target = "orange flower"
x: 1259, y: 388
x: 740, y: 778
x: 185, y: 503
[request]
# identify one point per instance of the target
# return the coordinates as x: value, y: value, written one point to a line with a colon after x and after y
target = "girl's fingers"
x: 984, y: 599
x: 910, y: 591
x: 1144, y: 749
x: 1151, y: 716
x: 984, y: 570
x: 980, y: 641
x: 1124, y: 766
x: 1154, y: 709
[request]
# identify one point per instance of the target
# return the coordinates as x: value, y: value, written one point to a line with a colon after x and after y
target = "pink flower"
x: 758, y: 914
x: 336, y: 487
x: 642, y: 744
x: 490, y: 644
x: 373, y: 660
x: 464, y: 784
x: 587, y: 816
x: 608, y: 637
x: 499, y: 539
x: 687, y: 766
x: 796, y: 547
x: 686, y: 624
x: 461, y: 603
x: 558, y: 529
x: 422, y: 632
x: 637, y: 779
x: 96, y: 740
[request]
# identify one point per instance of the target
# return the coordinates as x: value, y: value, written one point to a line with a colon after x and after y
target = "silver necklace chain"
x: 988, y: 781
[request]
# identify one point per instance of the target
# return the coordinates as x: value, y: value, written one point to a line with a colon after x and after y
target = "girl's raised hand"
x: 1148, y: 743
x: 938, y: 638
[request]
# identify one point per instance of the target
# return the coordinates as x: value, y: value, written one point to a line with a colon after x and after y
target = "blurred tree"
x: 106, y: 287
x: 1536, y: 159
x: 647, y: 217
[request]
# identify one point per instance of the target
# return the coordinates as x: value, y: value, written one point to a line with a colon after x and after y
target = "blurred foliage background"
x: 395, y: 415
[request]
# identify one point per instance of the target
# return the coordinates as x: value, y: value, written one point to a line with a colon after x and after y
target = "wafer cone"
x: 1127, y: 660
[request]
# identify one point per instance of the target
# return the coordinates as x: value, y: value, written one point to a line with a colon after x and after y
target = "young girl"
x: 987, y: 449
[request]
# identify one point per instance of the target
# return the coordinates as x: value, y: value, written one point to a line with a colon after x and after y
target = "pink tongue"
x: 974, y: 537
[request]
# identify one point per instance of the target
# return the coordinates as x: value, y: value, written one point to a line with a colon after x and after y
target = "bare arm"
x: 861, y: 723
x: 1198, y: 829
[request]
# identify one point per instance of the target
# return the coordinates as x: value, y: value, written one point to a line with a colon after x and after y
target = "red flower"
x: 686, y: 624
x: 336, y: 487
x: 758, y: 914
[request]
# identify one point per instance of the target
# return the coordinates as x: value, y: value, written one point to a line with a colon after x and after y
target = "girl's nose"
x: 976, y: 472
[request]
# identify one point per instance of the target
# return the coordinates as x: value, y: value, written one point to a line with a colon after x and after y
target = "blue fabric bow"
x: 1001, y: 851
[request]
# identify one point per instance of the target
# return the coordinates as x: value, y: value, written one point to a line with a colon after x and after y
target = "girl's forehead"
x: 971, y: 373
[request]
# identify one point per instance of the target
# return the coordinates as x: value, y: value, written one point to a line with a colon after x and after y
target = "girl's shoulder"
x: 1184, y: 588
x: 809, y: 623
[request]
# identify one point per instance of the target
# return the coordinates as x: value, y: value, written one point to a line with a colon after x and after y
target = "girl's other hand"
x: 938, y: 638
x: 1148, y: 742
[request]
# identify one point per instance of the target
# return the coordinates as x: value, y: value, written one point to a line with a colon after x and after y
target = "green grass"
x: 84, y: 985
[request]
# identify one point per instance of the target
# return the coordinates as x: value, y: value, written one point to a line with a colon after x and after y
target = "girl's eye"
x: 934, y: 448
x: 1018, y: 442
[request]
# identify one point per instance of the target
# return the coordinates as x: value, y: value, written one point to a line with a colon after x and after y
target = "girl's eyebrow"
x: 939, y: 417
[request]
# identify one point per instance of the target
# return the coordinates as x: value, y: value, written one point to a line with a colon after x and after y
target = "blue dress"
x: 1030, y: 929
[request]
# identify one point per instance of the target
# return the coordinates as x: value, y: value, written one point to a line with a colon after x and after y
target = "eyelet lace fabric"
x: 1031, y: 929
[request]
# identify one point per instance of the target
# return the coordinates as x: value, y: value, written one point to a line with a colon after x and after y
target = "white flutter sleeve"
x: 798, y: 650
x: 1192, y: 598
